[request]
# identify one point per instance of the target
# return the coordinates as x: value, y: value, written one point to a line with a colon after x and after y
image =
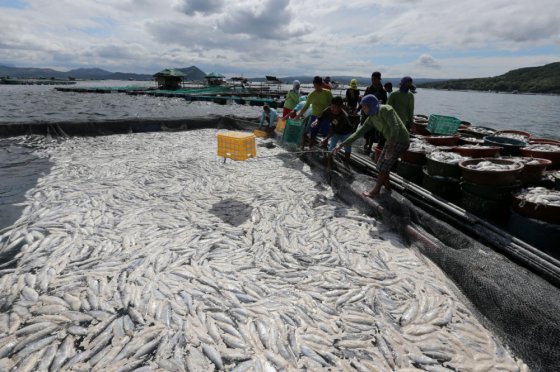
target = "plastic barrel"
x: 539, y: 234
x: 438, y: 168
x: 510, y: 146
x: 491, y: 192
x: 489, y: 209
x: 410, y: 172
x: 446, y: 187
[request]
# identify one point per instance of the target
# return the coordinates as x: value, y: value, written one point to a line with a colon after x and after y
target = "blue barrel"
x: 510, y: 146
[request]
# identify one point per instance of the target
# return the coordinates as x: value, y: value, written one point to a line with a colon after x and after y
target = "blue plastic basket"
x: 439, y: 124
x: 293, y: 132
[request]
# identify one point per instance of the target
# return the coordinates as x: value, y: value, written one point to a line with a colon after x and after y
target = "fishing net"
x: 517, y: 304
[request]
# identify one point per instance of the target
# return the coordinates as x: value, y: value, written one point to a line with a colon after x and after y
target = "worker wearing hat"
x: 387, y: 122
x: 352, y: 96
x: 403, y: 101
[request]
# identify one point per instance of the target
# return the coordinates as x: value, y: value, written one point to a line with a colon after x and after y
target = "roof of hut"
x: 214, y: 75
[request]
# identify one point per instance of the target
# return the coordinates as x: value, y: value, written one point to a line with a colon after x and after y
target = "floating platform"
x: 5, y: 81
x: 220, y: 95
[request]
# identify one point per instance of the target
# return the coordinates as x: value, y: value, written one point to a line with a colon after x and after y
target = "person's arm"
x: 411, y: 111
x: 273, y: 115
x: 368, y: 124
x: 306, y: 106
x: 383, y: 96
x: 390, y: 119
x: 391, y: 100
x: 262, y: 120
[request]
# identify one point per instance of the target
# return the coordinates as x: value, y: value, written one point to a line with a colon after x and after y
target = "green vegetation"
x: 543, y: 79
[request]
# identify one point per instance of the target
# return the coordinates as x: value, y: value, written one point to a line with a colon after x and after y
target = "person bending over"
x: 268, y: 118
x: 387, y: 122
x: 340, y: 126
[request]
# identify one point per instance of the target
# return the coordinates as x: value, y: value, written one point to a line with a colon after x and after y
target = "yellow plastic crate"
x: 260, y: 133
x: 237, y: 145
x: 280, y: 126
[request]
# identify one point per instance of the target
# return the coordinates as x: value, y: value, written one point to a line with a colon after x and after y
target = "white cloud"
x: 398, y: 37
x: 426, y: 60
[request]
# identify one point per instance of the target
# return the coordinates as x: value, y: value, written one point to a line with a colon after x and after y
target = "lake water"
x: 537, y: 114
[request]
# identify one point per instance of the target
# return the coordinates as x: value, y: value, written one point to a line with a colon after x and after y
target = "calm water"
x: 537, y: 114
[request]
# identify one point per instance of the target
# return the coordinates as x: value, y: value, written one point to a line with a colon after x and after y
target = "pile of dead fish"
x: 147, y: 252
x: 544, y: 147
x: 487, y: 165
x: 419, y: 145
x: 447, y: 157
x: 540, y: 195
x: 515, y: 136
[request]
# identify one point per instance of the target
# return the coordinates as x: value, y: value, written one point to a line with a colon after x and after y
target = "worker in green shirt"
x: 319, y: 100
x: 387, y: 122
x: 292, y: 99
x: 403, y: 102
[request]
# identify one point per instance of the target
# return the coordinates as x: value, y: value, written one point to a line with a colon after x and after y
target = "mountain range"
x: 542, y: 79
x: 192, y: 73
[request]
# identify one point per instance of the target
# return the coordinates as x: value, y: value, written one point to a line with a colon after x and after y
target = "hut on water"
x: 214, y: 79
x: 169, y: 79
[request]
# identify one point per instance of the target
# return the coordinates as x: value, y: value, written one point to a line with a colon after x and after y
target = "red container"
x: 418, y: 127
x: 413, y: 157
x: 531, y: 173
x: 480, y: 152
x: 442, y: 140
x: 553, y: 156
x: 543, y: 212
x: 491, y: 177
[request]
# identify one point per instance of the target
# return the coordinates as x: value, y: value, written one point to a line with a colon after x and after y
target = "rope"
x: 293, y: 153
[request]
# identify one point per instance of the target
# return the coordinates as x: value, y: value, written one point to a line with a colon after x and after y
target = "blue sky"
x: 421, y: 38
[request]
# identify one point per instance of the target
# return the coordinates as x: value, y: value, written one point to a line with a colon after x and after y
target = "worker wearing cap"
x: 319, y: 99
x: 387, y: 122
x: 403, y: 101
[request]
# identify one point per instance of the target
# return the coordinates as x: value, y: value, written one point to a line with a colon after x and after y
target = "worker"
x: 340, y: 127
x: 403, y: 102
x: 376, y: 88
x: 292, y: 99
x: 387, y: 122
x: 268, y: 118
x: 353, y: 96
x: 319, y: 99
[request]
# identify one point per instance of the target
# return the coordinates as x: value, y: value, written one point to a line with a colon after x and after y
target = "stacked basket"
x: 486, y: 190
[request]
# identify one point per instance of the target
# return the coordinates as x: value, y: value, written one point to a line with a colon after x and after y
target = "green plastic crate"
x: 439, y: 124
x: 293, y: 132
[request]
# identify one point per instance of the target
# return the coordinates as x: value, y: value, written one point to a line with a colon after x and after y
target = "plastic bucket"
x: 410, y: 172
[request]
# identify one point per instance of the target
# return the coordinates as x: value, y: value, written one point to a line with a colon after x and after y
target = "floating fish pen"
x: 216, y: 94
x: 6, y: 81
x: 143, y: 250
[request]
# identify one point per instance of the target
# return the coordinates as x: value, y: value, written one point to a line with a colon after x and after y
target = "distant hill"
x: 345, y: 80
x: 193, y: 73
x: 543, y: 79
